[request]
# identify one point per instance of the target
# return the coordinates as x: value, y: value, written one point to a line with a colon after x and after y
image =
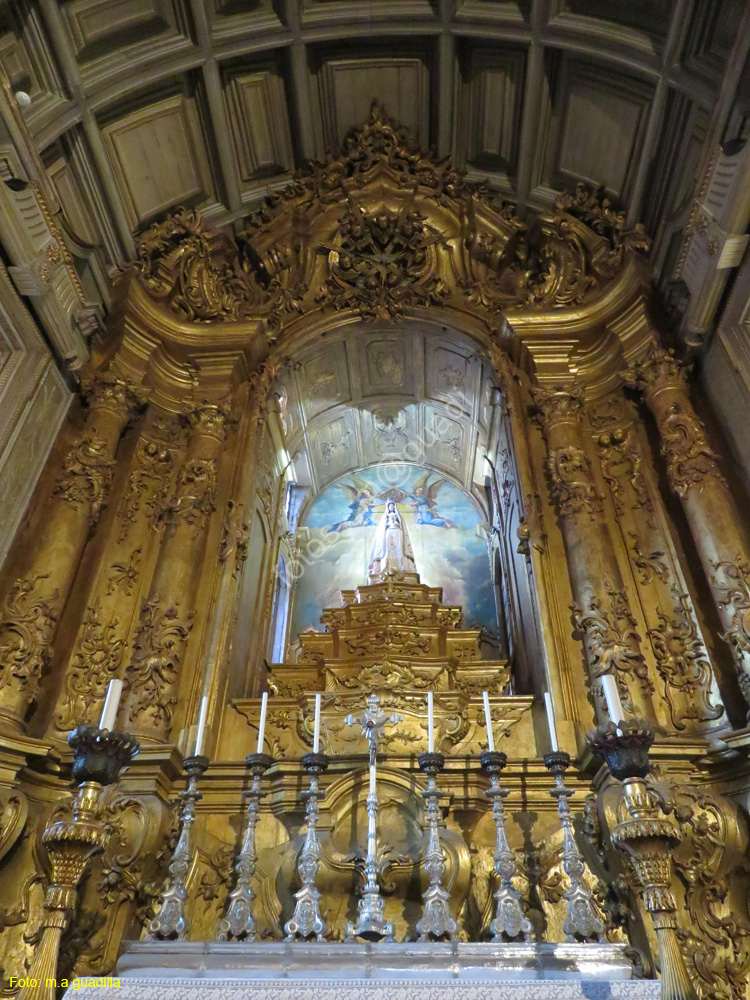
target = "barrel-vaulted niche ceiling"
x: 140, y: 106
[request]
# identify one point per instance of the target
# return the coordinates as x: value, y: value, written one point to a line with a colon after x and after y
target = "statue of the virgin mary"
x: 391, y: 550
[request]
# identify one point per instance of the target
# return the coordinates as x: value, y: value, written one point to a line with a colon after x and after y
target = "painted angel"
x: 362, y: 499
x: 391, y: 550
x: 424, y: 502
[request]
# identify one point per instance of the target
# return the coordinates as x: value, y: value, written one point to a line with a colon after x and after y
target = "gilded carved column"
x: 166, y: 615
x: 601, y: 610
x: 32, y: 609
x: 694, y: 475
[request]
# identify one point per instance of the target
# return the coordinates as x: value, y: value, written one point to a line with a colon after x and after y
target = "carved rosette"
x: 27, y: 626
x: 155, y: 667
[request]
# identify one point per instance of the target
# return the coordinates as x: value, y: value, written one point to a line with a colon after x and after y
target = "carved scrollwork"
x: 613, y: 641
x: 382, y: 262
x: 96, y: 661
x: 715, y: 876
x: 571, y: 484
x: 683, y: 664
x: 394, y: 639
x: 619, y: 453
x: 651, y: 564
x: 155, y: 667
x: 235, y: 534
x: 196, y: 272
x: 732, y: 581
x: 147, y: 485
x: 87, y: 475
x: 195, y: 493
x: 26, y: 626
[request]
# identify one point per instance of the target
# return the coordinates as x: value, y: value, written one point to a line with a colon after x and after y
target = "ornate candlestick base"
x: 306, y: 921
x: 238, y: 923
x: 70, y: 844
x: 170, y: 921
x: 648, y: 839
x: 510, y: 922
x: 436, y: 923
x: 583, y: 919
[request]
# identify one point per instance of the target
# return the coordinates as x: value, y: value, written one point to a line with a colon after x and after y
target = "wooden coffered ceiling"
x: 140, y: 105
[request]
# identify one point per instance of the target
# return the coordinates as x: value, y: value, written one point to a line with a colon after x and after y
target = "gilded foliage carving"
x: 96, y: 661
x: 652, y: 565
x: 382, y: 262
x: 387, y: 251
x: 148, y: 483
x: 26, y: 628
x: 619, y: 453
x: 393, y: 639
x: 683, y: 664
x: 713, y: 869
x: 154, y: 670
x: 235, y: 533
x: 196, y: 272
x: 613, y: 641
x: 732, y: 581
x: 124, y: 575
x: 195, y: 492
x: 690, y: 460
x: 87, y: 475
x: 571, y: 483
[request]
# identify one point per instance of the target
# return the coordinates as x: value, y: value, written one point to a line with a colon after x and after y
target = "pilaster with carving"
x: 694, y: 474
x: 28, y: 621
x: 166, y: 615
x: 601, y: 610
x: 686, y: 696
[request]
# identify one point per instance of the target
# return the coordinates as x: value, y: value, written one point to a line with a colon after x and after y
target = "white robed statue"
x: 391, y: 550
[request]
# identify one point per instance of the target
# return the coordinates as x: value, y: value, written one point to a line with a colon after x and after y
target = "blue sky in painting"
x: 453, y: 558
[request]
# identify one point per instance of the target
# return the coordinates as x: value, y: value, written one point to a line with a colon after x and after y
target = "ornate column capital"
x: 120, y: 396
x: 657, y: 369
x: 208, y: 419
x: 558, y: 404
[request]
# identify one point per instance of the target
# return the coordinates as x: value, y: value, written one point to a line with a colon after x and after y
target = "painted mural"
x: 338, y: 530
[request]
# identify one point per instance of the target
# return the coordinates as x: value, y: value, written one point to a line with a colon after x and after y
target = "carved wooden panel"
x: 258, y: 117
x: 491, y: 107
x: 348, y: 86
x: 386, y: 365
x: 599, y: 120
x: 449, y: 377
x: 97, y: 26
x: 390, y: 430
x: 324, y: 381
x: 158, y: 157
x: 335, y: 446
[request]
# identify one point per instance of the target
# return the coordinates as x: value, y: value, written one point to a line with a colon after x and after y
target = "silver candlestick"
x: 238, y: 923
x: 509, y: 922
x: 371, y: 924
x: 436, y: 923
x: 306, y: 921
x: 583, y: 919
x: 170, y: 921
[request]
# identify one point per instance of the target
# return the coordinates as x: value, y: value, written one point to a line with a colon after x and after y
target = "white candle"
x: 201, y: 726
x: 430, y: 725
x: 612, y: 697
x: 111, y: 704
x: 372, y: 779
x: 316, y: 736
x: 488, y: 722
x: 262, y: 722
x: 551, y: 722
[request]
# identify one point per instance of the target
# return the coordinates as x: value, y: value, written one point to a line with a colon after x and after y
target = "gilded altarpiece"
x: 151, y: 549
